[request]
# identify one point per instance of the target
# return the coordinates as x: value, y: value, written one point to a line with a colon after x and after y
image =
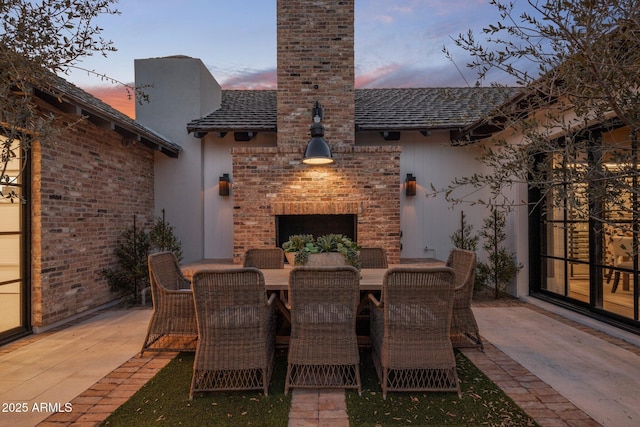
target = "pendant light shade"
x: 317, y: 151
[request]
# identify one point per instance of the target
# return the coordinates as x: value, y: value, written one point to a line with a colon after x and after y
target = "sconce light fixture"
x: 224, y: 185
x: 317, y: 151
x: 410, y: 185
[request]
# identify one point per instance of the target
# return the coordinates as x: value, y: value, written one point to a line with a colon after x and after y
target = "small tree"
x: 501, y: 267
x: 163, y: 237
x: 132, y: 272
x: 463, y: 238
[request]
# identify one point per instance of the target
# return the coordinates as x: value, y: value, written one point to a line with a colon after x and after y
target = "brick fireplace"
x: 316, y: 63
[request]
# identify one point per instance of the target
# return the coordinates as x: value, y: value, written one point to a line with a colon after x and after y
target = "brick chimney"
x: 315, y: 63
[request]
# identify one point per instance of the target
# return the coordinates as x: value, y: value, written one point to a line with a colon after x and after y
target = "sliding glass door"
x: 584, y: 253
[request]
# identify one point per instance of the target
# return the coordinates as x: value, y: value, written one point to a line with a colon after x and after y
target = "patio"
x: 572, y: 371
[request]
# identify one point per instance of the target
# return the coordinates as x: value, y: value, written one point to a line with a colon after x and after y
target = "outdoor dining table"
x: 277, y: 281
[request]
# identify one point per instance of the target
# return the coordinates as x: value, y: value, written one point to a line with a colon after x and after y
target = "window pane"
x: 555, y: 276
x: 9, y: 258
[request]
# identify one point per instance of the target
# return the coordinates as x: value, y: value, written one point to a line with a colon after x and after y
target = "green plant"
x: 462, y: 237
x: 327, y: 243
x: 163, y: 237
x: 132, y: 271
x: 297, y: 242
x: 501, y: 266
x: 131, y: 274
x: 304, y: 245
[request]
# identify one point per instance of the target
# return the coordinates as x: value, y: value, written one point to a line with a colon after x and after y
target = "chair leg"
x: 616, y: 280
x: 608, y: 275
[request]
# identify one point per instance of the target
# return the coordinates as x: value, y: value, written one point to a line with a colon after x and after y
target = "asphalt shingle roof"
x: 241, y: 110
x: 376, y: 109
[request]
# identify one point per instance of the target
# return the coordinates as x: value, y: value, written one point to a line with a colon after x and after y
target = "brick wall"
x: 273, y: 181
x: 315, y: 63
x: 87, y: 186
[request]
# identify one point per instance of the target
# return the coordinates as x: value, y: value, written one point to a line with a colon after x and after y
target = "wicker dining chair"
x: 323, y: 347
x: 464, y: 328
x: 172, y: 326
x: 411, y: 348
x: 373, y: 258
x: 236, y: 331
x: 264, y: 258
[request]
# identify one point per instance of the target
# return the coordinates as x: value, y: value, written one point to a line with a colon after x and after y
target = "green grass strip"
x: 164, y: 400
x: 482, y: 402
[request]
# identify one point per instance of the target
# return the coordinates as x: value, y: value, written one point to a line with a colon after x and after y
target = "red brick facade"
x: 316, y: 63
x: 274, y: 181
x: 86, y: 188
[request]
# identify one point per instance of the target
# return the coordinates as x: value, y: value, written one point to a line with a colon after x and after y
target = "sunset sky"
x: 398, y: 43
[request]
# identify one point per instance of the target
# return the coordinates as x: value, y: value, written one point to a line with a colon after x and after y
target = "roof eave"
x: 70, y: 104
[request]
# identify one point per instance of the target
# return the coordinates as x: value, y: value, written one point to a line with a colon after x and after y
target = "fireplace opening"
x: 318, y: 225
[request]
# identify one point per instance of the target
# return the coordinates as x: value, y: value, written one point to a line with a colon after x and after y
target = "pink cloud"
x: 255, y: 80
x: 369, y: 79
x: 115, y: 96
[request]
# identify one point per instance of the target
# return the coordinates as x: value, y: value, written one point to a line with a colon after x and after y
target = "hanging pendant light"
x: 317, y: 151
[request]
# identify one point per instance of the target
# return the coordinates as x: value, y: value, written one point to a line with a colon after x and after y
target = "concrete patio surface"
x: 599, y: 376
x: 561, y: 368
x: 44, y: 374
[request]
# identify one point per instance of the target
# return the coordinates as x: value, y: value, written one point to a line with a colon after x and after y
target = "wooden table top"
x: 278, y: 279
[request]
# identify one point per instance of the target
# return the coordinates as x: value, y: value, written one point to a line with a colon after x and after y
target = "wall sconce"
x: 224, y: 185
x: 317, y: 151
x: 410, y: 185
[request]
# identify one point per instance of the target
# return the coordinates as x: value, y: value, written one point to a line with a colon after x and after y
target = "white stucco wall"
x: 427, y: 223
x: 182, y: 90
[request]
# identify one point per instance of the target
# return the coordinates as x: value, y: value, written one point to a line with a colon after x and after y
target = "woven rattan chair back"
x: 464, y: 328
x: 264, y: 258
x: 373, y: 258
x: 236, y: 331
x: 172, y: 326
x: 411, y: 348
x: 323, y: 348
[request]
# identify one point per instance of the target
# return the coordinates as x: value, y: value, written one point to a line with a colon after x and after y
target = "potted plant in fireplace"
x: 327, y: 250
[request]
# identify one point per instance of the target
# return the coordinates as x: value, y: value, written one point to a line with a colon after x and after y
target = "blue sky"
x: 398, y: 43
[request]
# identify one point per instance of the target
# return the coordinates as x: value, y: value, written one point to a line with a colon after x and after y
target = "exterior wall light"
x: 410, y: 185
x: 317, y: 151
x: 224, y: 185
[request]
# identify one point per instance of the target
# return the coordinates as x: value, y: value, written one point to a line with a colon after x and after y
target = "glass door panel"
x: 12, y: 297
